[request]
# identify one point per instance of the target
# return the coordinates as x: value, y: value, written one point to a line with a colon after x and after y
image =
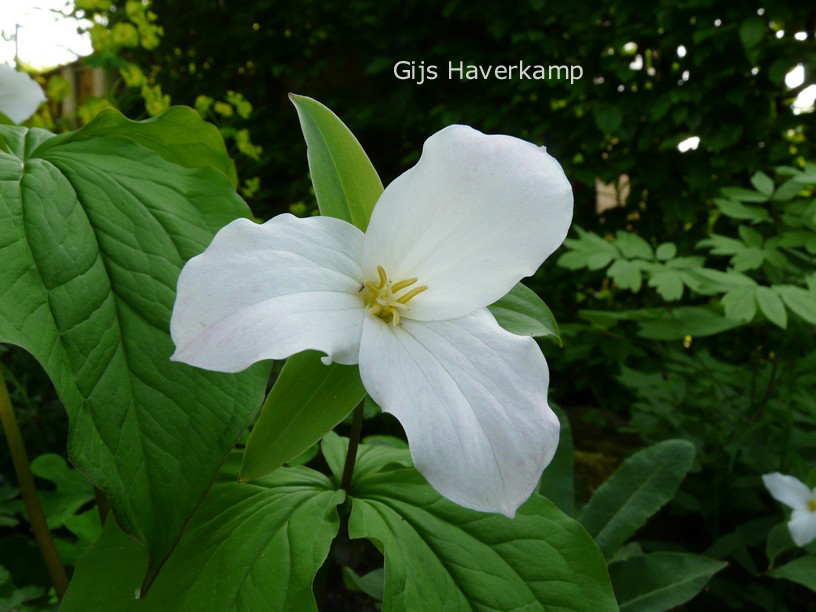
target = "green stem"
x: 351, y: 453
x: 36, y: 517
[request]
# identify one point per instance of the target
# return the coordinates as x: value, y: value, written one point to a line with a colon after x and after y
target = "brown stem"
x: 351, y: 453
x: 25, y: 479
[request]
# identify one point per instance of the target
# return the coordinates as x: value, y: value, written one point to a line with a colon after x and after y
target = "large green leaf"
x: 524, y: 313
x: 93, y: 234
x: 250, y: 547
x: 440, y: 556
x: 638, y: 488
x: 179, y: 135
x: 308, y: 400
x: 660, y: 581
x: 346, y: 185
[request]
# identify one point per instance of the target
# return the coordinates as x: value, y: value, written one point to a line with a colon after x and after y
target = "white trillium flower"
x: 407, y: 302
x: 795, y: 494
x: 20, y: 95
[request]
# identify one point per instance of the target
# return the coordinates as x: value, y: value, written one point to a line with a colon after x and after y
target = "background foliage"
x: 686, y: 312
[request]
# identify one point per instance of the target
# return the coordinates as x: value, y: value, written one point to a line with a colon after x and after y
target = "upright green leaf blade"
x: 94, y: 234
x: 345, y: 182
x: 307, y: 401
x: 439, y: 556
x: 524, y: 313
x: 660, y: 581
x: 249, y: 547
x: 638, y: 489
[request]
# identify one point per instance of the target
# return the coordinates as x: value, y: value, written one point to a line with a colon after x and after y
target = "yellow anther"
x: 397, y: 287
x: 383, y: 277
x: 811, y: 505
x: 412, y: 294
x: 380, y: 298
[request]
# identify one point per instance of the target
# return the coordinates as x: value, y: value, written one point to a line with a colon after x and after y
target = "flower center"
x: 382, y: 299
x: 811, y: 505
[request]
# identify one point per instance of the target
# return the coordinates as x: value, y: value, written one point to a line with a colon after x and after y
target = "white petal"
x: 472, y: 399
x: 787, y: 489
x: 802, y: 526
x: 270, y: 291
x: 20, y: 95
x: 472, y: 218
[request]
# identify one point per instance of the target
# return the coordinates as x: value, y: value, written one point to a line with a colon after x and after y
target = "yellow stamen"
x: 380, y: 296
x: 411, y: 294
x: 383, y: 277
x: 397, y: 287
x: 812, y: 505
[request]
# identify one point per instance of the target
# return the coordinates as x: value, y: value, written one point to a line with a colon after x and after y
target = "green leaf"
x: 71, y: 489
x: 596, y: 261
x: 772, y: 307
x: 370, y: 459
x: 13, y: 598
x: 666, y: 251
x: 738, y: 210
x: 86, y: 529
x: 307, y: 401
x: 626, y: 274
x: 751, y: 32
x: 94, y: 233
x: 709, y: 281
x: 575, y: 260
x: 762, y: 182
x: 740, y: 303
x: 371, y: 584
x: 524, y: 313
x: 608, y: 117
x: 346, y: 185
x: 749, y: 259
x: 638, y: 488
x: 801, y: 571
x: 750, y: 236
x: 250, y: 547
x: 799, y: 300
x: 439, y: 556
x: 669, y: 284
x: 660, y: 581
x: 632, y: 246
x: 558, y: 481
x: 743, y: 195
x: 779, y: 540
x: 686, y: 321
x: 179, y: 135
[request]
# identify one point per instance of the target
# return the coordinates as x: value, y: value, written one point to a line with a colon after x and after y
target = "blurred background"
x: 686, y: 293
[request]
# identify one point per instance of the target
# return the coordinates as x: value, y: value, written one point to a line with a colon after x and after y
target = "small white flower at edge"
x: 20, y: 95
x: 407, y: 302
x: 795, y: 494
